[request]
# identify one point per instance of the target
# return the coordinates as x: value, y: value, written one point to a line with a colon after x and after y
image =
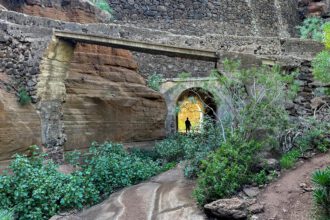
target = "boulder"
x: 269, y: 164
x: 251, y: 191
x: 233, y: 208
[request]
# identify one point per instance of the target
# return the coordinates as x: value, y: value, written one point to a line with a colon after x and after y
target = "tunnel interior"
x: 195, y: 104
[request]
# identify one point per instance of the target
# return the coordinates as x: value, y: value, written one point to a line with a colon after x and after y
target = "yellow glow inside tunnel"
x: 192, y: 108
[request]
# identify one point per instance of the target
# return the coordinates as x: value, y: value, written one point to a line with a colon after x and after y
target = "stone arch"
x: 173, y: 90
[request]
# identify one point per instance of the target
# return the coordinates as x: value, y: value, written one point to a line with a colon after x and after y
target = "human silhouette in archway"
x: 188, y: 125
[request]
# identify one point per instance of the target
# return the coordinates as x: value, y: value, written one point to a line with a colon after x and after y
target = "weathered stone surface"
x: 235, y: 17
x: 251, y: 191
x: 269, y: 164
x: 234, y: 208
x: 165, y: 197
x: 19, y: 126
x: 256, y: 208
x: 106, y: 99
x: 80, y: 11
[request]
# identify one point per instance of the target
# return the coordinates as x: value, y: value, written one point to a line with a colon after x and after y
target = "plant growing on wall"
x: 103, y: 5
x: 321, y: 63
x: 23, y: 97
x: 312, y: 28
x: 154, y: 81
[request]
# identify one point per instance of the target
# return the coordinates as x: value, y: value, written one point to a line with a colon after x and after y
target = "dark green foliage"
x: 226, y: 170
x: 111, y: 167
x: 314, y: 134
x: 154, y: 81
x: 36, y: 190
x: 253, y: 122
x: 172, y: 148
x: 289, y: 159
x: 312, y: 28
x: 6, y: 215
x: 103, y: 5
x: 321, y: 195
x: 321, y: 66
x: 260, y: 178
x: 192, y: 147
x: 23, y: 97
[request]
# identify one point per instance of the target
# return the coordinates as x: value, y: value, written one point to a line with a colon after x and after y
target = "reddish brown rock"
x: 79, y: 11
x: 19, y: 126
x: 108, y: 100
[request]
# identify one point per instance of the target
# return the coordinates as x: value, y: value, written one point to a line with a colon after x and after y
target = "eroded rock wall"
x: 80, y: 11
x: 19, y: 125
x: 108, y: 100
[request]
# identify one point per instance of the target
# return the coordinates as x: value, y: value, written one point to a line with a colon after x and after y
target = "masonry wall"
x: 233, y: 17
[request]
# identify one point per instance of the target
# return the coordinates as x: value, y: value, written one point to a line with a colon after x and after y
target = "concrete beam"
x: 139, y: 46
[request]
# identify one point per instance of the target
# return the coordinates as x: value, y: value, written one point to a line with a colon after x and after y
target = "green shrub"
x: 315, y: 134
x: 312, y: 28
x: 192, y: 147
x: 23, y: 97
x: 321, y: 66
x: 110, y: 167
x: 36, y: 190
x: 6, y: 215
x: 321, y: 195
x: 145, y: 153
x: 260, y: 178
x: 226, y: 170
x: 103, y: 5
x: 289, y: 159
x: 171, y: 149
x: 154, y: 81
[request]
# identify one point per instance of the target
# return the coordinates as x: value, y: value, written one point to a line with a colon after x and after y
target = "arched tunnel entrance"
x: 196, y: 104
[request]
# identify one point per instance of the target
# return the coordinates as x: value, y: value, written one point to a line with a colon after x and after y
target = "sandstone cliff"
x: 108, y: 100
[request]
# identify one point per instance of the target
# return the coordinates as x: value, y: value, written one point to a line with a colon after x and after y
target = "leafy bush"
x: 110, y: 167
x: 6, y: 215
x: 321, y: 66
x: 171, y: 149
x: 192, y: 147
x: 23, y: 97
x: 289, y: 159
x: 312, y: 28
x: 154, y: 81
x: 36, y: 190
x: 253, y: 121
x: 260, y: 178
x: 321, y: 195
x: 226, y: 170
x: 326, y: 29
x: 103, y: 5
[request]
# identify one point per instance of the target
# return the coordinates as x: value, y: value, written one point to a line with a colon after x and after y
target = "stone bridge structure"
x: 174, y: 88
x: 78, y: 101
